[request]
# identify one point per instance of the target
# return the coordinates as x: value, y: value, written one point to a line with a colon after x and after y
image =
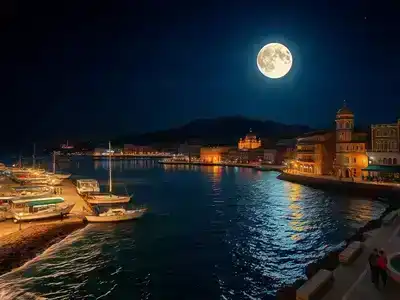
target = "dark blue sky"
x: 76, y: 68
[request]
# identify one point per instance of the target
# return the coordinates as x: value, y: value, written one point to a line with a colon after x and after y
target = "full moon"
x: 274, y: 60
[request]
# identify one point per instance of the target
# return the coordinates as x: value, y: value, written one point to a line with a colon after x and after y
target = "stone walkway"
x: 353, y: 282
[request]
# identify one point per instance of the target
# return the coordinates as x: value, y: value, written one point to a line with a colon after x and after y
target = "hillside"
x: 224, y: 130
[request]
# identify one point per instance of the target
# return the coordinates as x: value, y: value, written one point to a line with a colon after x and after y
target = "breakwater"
x: 21, y: 246
x: 347, y: 187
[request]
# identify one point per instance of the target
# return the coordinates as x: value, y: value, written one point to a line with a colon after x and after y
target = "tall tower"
x: 344, y: 124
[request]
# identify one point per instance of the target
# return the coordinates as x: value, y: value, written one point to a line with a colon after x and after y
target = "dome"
x: 344, y: 110
x: 251, y: 135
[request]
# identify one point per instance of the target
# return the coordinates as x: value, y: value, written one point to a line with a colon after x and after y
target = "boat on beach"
x: 85, y: 186
x: 39, y: 208
x: 25, y: 192
x: 50, y: 212
x: 116, y: 215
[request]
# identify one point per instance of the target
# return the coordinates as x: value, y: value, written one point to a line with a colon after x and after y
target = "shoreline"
x: 21, y: 246
x: 330, y: 261
x: 238, y: 165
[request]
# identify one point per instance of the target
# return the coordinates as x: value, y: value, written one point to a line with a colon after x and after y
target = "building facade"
x: 385, y: 144
x: 315, y: 153
x: 384, y: 155
x: 249, y: 142
x: 270, y: 156
x: 214, y: 155
x: 351, y: 156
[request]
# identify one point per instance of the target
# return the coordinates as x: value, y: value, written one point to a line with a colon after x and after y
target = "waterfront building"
x: 137, y: 149
x: 315, y: 152
x: 270, y: 156
x: 384, y: 155
x: 351, y: 156
x: 214, y: 154
x: 250, y: 141
x: 286, y: 151
x: 189, y: 150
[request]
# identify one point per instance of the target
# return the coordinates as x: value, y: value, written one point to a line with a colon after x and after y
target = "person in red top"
x: 382, y: 264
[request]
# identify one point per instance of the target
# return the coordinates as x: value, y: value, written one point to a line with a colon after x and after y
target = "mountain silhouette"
x: 218, y: 131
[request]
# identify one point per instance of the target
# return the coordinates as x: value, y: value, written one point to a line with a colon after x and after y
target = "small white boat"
x: 51, y: 212
x: 84, y: 186
x: 117, y: 215
x: 106, y: 198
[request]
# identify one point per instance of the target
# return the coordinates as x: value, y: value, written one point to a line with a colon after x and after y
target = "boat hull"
x: 43, y: 215
x: 107, y: 219
x: 94, y: 200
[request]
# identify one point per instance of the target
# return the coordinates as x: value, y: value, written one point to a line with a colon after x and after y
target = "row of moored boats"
x: 33, y: 198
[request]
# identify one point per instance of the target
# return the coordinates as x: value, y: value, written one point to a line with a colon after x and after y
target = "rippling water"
x: 211, y: 233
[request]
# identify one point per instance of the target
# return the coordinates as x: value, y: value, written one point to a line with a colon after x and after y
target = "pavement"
x: 353, y: 282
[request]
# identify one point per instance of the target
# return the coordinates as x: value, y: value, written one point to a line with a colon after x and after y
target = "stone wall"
x: 349, y: 188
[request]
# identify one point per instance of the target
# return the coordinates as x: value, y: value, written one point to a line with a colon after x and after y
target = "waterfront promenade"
x: 353, y: 282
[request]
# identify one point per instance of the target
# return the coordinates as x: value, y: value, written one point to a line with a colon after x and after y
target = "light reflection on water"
x: 212, y: 232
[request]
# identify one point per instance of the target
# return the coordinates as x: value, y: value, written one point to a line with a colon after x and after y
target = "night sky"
x: 83, y: 68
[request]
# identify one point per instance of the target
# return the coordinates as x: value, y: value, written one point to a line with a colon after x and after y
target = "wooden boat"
x: 58, y: 175
x: 51, y: 212
x: 117, y: 215
x: 85, y: 186
x: 106, y: 198
x: 25, y: 192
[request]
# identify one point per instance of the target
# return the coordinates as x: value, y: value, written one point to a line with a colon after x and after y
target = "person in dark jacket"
x: 382, y: 266
x: 373, y: 264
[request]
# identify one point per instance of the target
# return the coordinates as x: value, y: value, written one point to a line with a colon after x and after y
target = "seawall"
x: 21, y: 246
x: 348, y: 187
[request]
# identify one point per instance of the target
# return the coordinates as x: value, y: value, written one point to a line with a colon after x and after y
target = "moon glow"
x: 274, y: 60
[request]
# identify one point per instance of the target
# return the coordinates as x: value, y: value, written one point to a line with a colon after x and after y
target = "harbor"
x: 152, y: 184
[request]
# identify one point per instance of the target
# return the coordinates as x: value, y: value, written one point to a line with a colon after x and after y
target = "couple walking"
x: 378, y: 262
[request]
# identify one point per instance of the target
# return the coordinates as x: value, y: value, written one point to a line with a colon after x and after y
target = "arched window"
x: 347, y: 125
x: 378, y: 132
x: 395, y: 161
x: 385, y: 161
x: 393, y: 132
x: 378, y: 145
x: 389, y: 161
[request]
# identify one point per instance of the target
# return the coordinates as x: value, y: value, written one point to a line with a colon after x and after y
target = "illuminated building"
x: 137, y: 149
x: 315, y: 152
x: 213, y: 154
x: 384, y: 157
x: 351, y: 156
x: 249, y: 142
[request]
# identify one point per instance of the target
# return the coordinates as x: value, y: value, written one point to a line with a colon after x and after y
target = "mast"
x: 54, y: 162
x: 109, y: 166
x: 20, y: 160
x: 34, y: 156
